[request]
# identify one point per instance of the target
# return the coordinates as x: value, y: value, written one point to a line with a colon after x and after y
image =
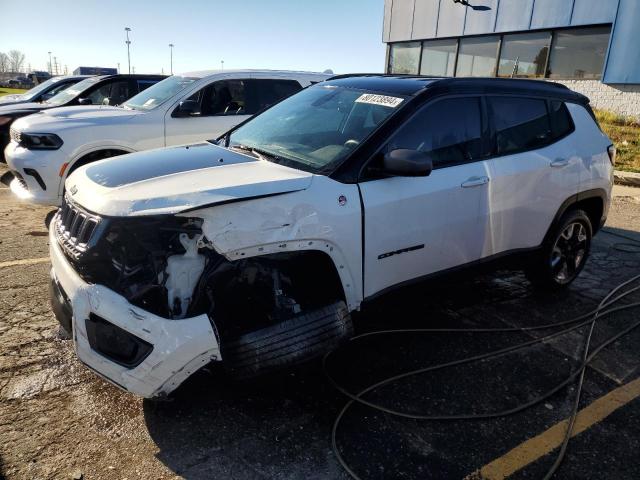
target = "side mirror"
x: 187, y: 108
x: 84, y: 101
x: 407, y: 163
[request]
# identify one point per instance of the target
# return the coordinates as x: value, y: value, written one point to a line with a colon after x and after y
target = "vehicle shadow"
x: 280, y: 427
x: 213, y: 427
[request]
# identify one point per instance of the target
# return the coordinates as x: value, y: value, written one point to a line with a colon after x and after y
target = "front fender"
x: 311, y: 219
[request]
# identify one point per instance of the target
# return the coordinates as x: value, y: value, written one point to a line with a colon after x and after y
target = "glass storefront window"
x: 404, y: 58
x: 477, y: 57
x: 524, y: 54
x: 579, y: 53
x: 439, y: 58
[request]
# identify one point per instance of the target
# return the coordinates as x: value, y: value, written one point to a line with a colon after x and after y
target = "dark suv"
x: 43, y: 91
x: 98, y: 90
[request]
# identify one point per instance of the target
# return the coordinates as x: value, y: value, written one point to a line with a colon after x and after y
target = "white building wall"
x: 622, y: 99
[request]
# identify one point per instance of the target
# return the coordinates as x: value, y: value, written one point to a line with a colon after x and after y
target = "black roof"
x: 411, y: 85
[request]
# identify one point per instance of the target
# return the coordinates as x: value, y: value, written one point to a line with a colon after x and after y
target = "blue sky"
x: 345, y: 36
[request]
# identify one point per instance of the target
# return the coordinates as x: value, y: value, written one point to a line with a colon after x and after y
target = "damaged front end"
x: 266, y: 313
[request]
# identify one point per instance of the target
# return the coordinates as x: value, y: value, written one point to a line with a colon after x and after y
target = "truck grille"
x: 15, y: 135
x: 75, y: 228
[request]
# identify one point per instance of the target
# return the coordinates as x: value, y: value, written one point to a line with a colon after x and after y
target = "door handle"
x: 475, y: 182
x: 560, y: 162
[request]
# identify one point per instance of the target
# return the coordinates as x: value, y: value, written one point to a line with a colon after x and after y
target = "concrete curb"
x: 626, y: 178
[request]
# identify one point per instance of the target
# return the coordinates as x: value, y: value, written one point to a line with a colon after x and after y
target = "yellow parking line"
x: 27, y: 261
x: 540, y: 445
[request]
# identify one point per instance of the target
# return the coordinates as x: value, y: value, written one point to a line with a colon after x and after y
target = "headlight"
x: 40, y: 141
x: 5, y: 120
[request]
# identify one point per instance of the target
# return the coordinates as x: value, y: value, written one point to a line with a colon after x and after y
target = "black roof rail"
x: 452, y: 79
x: 395, y: 75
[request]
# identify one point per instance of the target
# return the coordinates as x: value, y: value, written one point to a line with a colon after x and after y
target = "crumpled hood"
x: 171, y: 180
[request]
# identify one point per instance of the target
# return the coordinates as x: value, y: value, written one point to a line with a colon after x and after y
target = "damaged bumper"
x: 138, y: 351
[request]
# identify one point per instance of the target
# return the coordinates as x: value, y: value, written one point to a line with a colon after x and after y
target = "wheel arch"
x: 594, y: 202
x: 329, y: 253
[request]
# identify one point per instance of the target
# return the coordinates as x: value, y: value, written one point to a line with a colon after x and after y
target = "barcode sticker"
x: 383, y: 100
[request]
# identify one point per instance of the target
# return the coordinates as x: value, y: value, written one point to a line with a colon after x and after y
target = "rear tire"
x: 564, y: 253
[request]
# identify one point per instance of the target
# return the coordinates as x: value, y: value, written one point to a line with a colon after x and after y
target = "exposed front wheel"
x: 565, y: 252
x: 298, y: 340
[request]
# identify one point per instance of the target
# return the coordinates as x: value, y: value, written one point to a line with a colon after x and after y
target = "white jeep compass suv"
x: 253, y: 250
x: 45, y: 148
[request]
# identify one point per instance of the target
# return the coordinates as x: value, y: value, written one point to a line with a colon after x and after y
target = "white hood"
x: 171, y: 180
x: 89, y: 112
x: 16, y: 97
x: 55, y: 119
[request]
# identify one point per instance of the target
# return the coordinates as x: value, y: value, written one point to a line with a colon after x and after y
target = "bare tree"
x: 16, y: 60
x: 4, y: 62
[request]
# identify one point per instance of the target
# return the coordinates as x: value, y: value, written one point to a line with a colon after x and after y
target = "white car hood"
x: 16, y: 97
x: 89, y: 112
x: 68, y: 117
x: 172, y: 180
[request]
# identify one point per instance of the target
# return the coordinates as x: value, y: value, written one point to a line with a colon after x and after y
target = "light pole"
x: 50, y: 66
x: 171, y: 56
x: 221, y: 64
x: 128, y: 42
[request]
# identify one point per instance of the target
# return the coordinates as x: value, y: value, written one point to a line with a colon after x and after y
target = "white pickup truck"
x: 45, y: 148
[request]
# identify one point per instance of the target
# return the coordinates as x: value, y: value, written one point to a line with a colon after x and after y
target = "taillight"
x: 611, y: 150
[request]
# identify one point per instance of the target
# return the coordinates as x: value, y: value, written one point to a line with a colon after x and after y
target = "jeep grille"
x: 75, y: 228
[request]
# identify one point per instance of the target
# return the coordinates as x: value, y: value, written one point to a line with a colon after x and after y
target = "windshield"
x: 317, y: 128
x: 73, y: 91
x: 158, y: 93
x: 40, y: 88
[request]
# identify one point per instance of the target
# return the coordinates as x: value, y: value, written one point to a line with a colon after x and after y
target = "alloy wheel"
x: 569, y: 252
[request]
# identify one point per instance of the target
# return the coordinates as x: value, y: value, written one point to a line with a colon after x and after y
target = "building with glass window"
x: 592, y: 46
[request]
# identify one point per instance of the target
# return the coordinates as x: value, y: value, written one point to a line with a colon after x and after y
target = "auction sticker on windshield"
x: 383, y: 100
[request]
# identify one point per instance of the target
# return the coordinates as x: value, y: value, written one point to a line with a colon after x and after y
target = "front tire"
x: 278, y: 347
x: 564, y: 253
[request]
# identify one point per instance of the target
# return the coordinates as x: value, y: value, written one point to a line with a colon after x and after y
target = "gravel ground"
x: 58, y: 420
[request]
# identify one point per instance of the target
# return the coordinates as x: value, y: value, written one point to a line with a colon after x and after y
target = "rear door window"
x: 450, y: 130
x: 225, y: 97
x: 262, y: 93
x: 520, y: 123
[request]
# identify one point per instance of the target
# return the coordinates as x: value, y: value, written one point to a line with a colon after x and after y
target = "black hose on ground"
x: 601, y: 311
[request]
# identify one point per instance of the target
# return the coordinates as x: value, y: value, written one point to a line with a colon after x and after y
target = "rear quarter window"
x: 561, y: 122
